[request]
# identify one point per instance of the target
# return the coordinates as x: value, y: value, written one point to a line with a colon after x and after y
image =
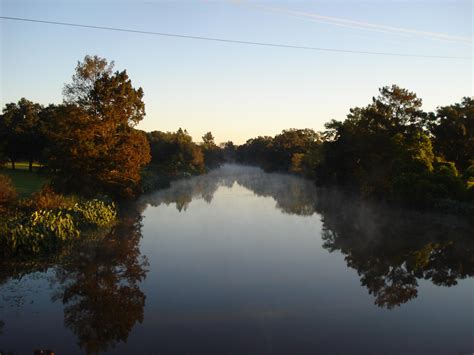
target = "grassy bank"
x: 25, y: 182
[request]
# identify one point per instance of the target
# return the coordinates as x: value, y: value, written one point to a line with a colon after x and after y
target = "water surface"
x: 243, y: 262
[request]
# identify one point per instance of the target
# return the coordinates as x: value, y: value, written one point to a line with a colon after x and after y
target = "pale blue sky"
x: 240, y: 91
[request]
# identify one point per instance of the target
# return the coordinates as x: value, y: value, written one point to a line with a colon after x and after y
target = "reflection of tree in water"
x: 97, y: 279
x: 292, y: 194
x: 390, y: 249
x: 100, y: 288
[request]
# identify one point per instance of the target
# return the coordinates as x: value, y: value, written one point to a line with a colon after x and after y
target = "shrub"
x: 8, y: 195
x: 47, y: 198
x: 46, y: 229
x: 95, y: 213
x: 42, y: 231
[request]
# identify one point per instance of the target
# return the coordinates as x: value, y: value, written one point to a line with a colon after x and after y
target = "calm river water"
x: 243, y: 262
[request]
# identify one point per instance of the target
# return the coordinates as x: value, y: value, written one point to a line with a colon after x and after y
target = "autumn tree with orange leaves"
x: 94, y: 147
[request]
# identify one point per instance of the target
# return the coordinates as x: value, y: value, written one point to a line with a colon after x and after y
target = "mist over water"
x: 239, y: 261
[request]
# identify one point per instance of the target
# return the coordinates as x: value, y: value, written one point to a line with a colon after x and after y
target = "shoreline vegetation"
x: 45, y: 222
x: 67, y: 168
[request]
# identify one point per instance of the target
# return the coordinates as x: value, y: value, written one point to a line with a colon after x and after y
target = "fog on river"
x: 239, y: 261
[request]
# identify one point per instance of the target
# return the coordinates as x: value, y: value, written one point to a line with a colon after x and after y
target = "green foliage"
x: 377, y: 143
x: 295, y: 150
x: 256, y: 151
x: 45, y: 230
x: 389, y: 150
x: 95, y: 213
x: 40, y: 231
x: 384, y: 151
x: 174, y: 154
x: 453, y: 132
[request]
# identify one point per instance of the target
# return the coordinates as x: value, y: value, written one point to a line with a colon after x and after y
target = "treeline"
x: 389, y: 150
x: 88, y: 145
x: 174, y: 155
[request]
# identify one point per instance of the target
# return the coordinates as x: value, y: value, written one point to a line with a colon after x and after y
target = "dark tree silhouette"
x: 21, y: 132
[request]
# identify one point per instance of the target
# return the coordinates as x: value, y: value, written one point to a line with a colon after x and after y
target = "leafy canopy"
x: 95, y: 146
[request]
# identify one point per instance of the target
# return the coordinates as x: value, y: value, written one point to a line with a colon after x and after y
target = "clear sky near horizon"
x: 242, y: 91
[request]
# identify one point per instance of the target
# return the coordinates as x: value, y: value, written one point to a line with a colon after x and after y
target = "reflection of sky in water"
x: 236, y: 265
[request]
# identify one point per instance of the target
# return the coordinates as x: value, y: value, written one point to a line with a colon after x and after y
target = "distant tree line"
x: 390, y: 149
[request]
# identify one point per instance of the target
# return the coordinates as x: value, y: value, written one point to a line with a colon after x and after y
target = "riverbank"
x: 27, y: 231
x: 45, y: 220
x: 36, y: 220
x: 25, y: 182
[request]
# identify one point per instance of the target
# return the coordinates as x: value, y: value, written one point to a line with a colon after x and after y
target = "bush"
x: 47, y: 198
x: 42, y: 231
x: 46, y: 229
x: 95, y: 213
x: 8, y: 195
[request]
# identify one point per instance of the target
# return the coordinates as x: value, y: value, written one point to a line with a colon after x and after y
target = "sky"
x: 241, y: 91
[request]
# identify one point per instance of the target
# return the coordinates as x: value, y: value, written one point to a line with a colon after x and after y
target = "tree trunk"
x: 30, y: 168
x: 13, y: 165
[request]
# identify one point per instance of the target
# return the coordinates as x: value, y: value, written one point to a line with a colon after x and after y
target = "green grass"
x: 25, y: 182
x: 21, y: 165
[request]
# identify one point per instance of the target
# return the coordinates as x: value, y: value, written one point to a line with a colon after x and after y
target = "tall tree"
x: 377, y: 143
x: 453, y: 130
x: 21, y: 132
x: 212, y: 153
x: 95, y: 145
x: 208, y: 140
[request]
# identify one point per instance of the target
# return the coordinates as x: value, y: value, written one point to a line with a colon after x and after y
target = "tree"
x: 175, y: 153
x: 94, y: 145
x: 229, y: 151
x: 453, y: 130
x: 295, y: 149
x: 256, y: 151
x: 377, y: 144
x: 21, y: 132
x: 213, y: 156
x: 208, y: 140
